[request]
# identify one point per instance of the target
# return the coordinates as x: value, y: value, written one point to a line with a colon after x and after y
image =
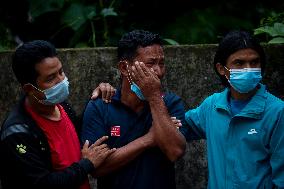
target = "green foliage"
x: 6, y: 40
x: 87, y: 23
x: 272, y: 27
x: 170, y: 41
x: 40, y: 7
x: 203, y: 26
x: 80, y: 17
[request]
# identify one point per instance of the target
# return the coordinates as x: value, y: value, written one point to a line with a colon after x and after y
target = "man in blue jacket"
x: 243, y: 125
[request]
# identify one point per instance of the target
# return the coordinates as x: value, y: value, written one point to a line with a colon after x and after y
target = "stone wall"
x: 189, y: 74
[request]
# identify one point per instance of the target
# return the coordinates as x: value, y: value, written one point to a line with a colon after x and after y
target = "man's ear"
x: 28, y: 88
x: 221, y: 69
x: 123, y: 67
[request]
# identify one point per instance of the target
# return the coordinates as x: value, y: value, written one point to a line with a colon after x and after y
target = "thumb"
x: 86, y: 145
x: 95, y: 94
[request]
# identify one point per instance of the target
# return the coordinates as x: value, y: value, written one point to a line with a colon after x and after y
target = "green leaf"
x: 90, y: 12
x: 266, y: 29
x: 259, y: 30
x: 171, y: 41
x: 40, y: 7
x: 276, y: 30
x: 77, y: 14
x: 108, y: 12
x: 279, y: 28
x: 277, y: 40
x: 74, y: 16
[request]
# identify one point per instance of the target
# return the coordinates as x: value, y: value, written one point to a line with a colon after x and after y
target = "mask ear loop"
x: 40, y: 101
x: 228, y: 71
x: 129, y: 78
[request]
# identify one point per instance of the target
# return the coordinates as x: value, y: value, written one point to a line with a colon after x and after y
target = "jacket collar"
x: 254, y: 109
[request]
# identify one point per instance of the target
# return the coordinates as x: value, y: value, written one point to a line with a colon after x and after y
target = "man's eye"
x: 49, y: 80
x: 255, y: 62
x: 238, y: 62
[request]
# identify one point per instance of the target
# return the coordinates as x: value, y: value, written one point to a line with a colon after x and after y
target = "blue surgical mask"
x: 134, y: 88
x: 245, y: 80
x: 56, y: 94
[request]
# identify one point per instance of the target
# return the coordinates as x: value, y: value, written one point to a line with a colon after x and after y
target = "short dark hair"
x: 232, y: 42
x: 131, y: 41
x: 27, y: 56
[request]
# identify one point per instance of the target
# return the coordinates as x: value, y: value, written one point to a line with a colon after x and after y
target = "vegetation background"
x: 92, y: 23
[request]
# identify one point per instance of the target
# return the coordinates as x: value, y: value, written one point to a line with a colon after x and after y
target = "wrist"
x: 155, y: 99
x: 147, y: 141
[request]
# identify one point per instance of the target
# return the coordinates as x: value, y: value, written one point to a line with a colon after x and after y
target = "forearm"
x: 167, y: 136
x: 71, y: 177
x: 123, y: 155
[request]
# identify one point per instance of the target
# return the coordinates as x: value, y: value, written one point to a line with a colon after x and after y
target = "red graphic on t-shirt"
x: 115, y: 131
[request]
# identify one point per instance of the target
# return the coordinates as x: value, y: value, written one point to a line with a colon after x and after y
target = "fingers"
x: 86, y: 145
x: 137, y: 71
x: 176, y: 122
x: 108, y: 93
x: 144, y: 68
x: 85, y: 148
x: 105, y: 90
x: 110, y: 151
x: 95, y: 93
x: 100, y: 140
x: 99, y: 146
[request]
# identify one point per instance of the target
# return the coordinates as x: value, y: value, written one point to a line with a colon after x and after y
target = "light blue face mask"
x: 133, y: 87
x: 56, y: 94
x: 244, y: 80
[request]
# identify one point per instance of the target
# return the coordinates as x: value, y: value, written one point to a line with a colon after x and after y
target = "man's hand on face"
x: 147, y: 80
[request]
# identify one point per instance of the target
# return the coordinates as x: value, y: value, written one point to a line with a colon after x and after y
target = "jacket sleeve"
x: 195, y: 127
x: 26, y: 162
x: 277, y: 151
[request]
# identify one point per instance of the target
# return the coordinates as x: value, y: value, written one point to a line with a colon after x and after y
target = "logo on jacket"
x: 21, y: 149
x: 115, y: 131
x: 252, y: 131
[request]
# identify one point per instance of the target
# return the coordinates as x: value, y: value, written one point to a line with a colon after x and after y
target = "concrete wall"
x: 189, y: 74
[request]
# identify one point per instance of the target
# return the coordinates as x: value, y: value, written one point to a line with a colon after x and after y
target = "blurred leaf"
x: 81, y: 45
x: 108, y: 12
x: 39, y: 7
x: 93, y: 37
x: 77, y: 37
x: 171, y: 41
x: 277, y: 40
x: 279, y: 27
x: 266, y: 29
x: 77, y: 14
x: 276, y: 30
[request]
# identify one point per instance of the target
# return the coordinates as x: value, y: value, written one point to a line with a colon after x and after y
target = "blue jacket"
x: 245, y: 150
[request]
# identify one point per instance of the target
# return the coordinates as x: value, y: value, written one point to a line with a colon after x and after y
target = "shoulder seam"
x: 13, y: 129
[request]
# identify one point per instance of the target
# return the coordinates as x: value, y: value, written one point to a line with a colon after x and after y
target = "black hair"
x: 27, y: 56
x: 232, y: 42
x: 131, y: 41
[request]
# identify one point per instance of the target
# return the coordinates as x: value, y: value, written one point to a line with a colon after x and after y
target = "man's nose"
x: 60, y: 77
x: 248, y: 65
x: 157, y: 69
